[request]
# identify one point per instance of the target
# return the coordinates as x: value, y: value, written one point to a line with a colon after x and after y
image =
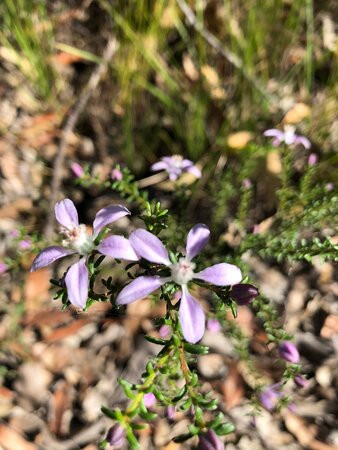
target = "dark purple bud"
x: 288, y: 351
x: 243, y: 294
x: 210, y: 441
x: 301, y: 381
x: 116, y: 436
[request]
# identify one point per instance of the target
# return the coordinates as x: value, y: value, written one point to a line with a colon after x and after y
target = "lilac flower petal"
x: 192, y: 317
x: 274, y: 133
x: 48, y: 256
x: 161, y: 165
x: 77, y: 282
x: 303, y: 141
x: 66, y: 214
x: 108, y: 215
x: 149, y: 247
x: 139, y: 288
x: 186, y: 163
x: 117, y: 247
x: 197, y: 239
x: 276, y: 142
x: 222, y: 274
x: 195, y: 171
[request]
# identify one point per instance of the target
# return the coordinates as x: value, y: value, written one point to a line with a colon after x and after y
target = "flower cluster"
x: 141, y: 244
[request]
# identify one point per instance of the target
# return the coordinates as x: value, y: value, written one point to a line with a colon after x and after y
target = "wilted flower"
x: 149, y: 399
x: 270, y: 396
x: 287, y: 136
x: 243, y: 293
x: 313, y: 159
x: 116, y: 436
x: 3, y: 267
x: 301, y: 381
x: 116, y: 174
x: 288, y: 351
x: 78, y: 240
x: 77, y: 169
x: 191, y: 314
x: 213, y: 325
x: 175, y: 165
x: 209, y: 441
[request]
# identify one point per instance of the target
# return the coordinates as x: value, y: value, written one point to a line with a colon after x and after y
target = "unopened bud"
x: 243, y: 294
x: 77, y: 170
x: 116, y: 174
x: 313, y: 159
x: 210, y: 441
x: 116, y: 436
x: 288, y: 351
x: 301, y: 381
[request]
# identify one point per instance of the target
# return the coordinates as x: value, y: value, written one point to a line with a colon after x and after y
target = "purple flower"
x: 243, y: 293
x: 288, y: 351
x: 116, y: 436
x: 77, y: 169
x: 116, y: 174
x: 149, y: 400
x: 287, y: 136
x: 313, y: 159
x: 213, y: 325
x: 210, y: 441
x: 25, y: 244
x: 175, y: 165
x: 191, y: 314
x: 270, y: 396
x: 329, y: 187
x: 3, y: 267
x: 79, y: 241
x: 301, y: 381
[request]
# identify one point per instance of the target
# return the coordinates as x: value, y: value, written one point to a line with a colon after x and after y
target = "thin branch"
x: 70, y: 124
x: 224, y: 51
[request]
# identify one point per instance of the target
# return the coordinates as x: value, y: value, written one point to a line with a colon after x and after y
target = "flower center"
x: 177, y: 161
x: 289, y: 134
x: 79, y: 239
x: 183, y: 271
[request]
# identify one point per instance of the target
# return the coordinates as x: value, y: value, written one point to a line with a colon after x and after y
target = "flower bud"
x: 210, y: 441
x: 329, y: 187
x: 171, y: 412
x: 246, y: 183
x: 244, y: 293
x: 3, y: 267
x: 164, y: 331
x: 149, y: 399
x: 270, y: 396
x: 116, y: 436
x: 313, y: 159
x: 77, y: 170
x: 301, y: 381
x: 213, y: 325
x: 116, y: 174
x: 25, y: 244
x: 288, y: 351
